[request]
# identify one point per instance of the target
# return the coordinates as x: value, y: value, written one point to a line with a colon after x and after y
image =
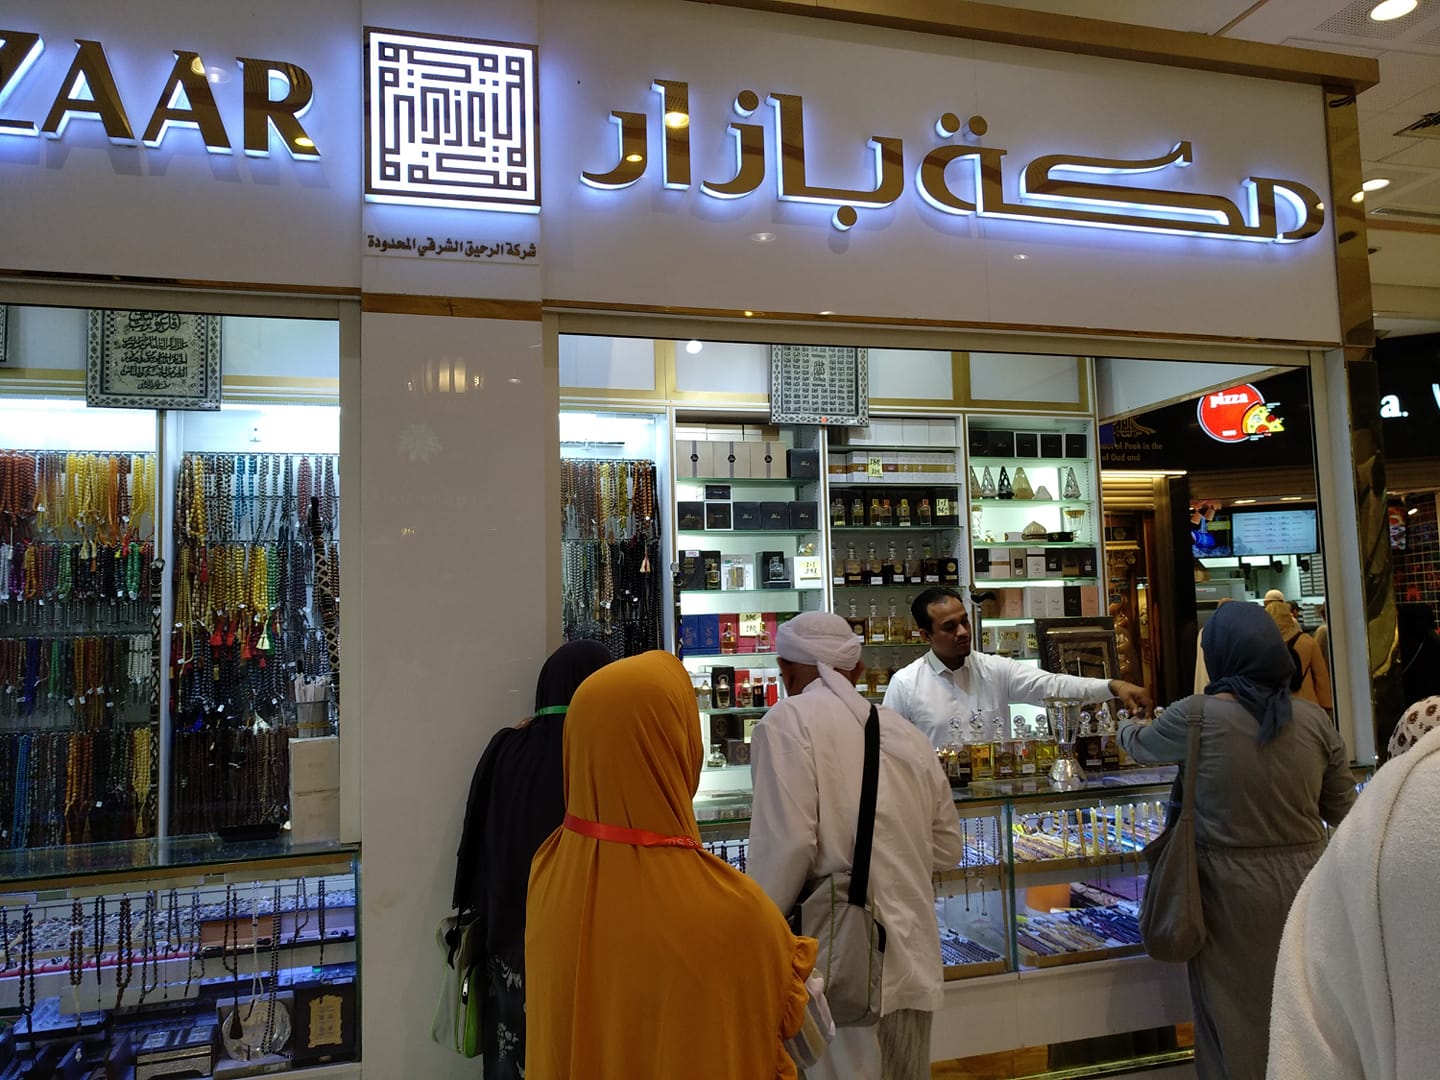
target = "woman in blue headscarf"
x: 1271, y: 768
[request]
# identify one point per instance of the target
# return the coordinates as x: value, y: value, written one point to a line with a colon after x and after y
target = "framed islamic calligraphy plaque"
x: 153, y: 360
x: 819, y: 384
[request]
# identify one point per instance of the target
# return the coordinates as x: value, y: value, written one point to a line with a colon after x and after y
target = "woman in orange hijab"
x: 647, y: 958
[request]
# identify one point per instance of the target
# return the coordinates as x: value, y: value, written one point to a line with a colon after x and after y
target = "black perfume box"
x: 1051, y: 444
x: 802, y: 464
x: 718, y: 491
x: 1076, y: 445
x: 949, y: 571
x: 691, y: 516
x: 774, y: 515
x: 979, y: 442
x: 1087, y: 561
x: 1002, y: 444
x: 804, y: 515
x: 1027, y: 444
x: 717, y: 517
x: 982, y: 562
x: 747, y: 515
x: 1071, y: 600
x: 1054, y: 562
x: 692, y: 569
x: 737, y: 752
x: 723, y: 726
x: 772, y: 570
x: 947, y: 510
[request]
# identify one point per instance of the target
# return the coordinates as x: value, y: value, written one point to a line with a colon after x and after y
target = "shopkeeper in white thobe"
x: 806, y: 761
x: 950, y: 681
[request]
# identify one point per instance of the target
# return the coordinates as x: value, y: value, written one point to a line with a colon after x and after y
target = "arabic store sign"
x: 960, y: 177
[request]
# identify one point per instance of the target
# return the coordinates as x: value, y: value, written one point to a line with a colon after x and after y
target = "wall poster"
x: 153, y: 360
x: 819, y: 384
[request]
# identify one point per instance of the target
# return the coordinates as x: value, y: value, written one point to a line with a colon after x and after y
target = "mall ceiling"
x: 1399, y: 118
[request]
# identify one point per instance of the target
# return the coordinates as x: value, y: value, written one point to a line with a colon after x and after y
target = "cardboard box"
x: 709, y: 644
x: 944, y: 433
x: 1088, y: 567
x: 914, y: 432
x: 314, y: 816
x: 1051, y: 445
x: 1012, y: 603
x: 775, y: 515
x: 1027, y: 444
x: 1072, y: 603
x: 693, y: 457
x: 692, y: 570
x: 746, y: 515
x: 315, y: 765
x: 856, y: 436
x: 1002, y: 444
x: 982, y: 562
x: 949, y: 570
x: 1035, y: 563
x: 1055, y: 562
x: 718, y: 517
x: 886, y: 431
x: 690, y: 633
x: 767, y: 460
x: 1077, y: 445
x: 731, y: 459
x: 772, y: 570
x: 1089, y: 600
x: 737, y: 572
x: 690, y: 515
x: 1000, y: 562
x: 860, y: 466
x: 804, y: 515
x: 1069, y: 562
x: 1035, y: 601
x: 737, y: 751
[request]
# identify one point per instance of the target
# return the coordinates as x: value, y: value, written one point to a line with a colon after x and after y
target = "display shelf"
x: 908, y: 587
x: 730, y: 656
x: 903, y: 448
x: 749, y: 710
x: 1007, y: 582
x: 712, y: 533
x: 741, y: 592
x: 1029, y: 462
x: 895, y: 528
x: 977, y: 503
x: 747, y: 481
x: 1032, y: 543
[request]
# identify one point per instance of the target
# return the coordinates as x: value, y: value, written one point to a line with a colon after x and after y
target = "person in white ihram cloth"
x: 1359, y: 968
x: 806, y: 760
x: 951, y: 681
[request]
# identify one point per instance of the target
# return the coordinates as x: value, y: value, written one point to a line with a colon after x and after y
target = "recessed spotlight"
x: 1376, y: 184
x: 827, y: 313
x: 634, y: 157
x: 1359, y: 196
x: 1319, y: 206
x: 677, y: 119
x: 749, y: 314
x: 692, y: 346
x: 1292, y: 498
x: 197, y: 66
x: 1412, y: 511
x: 305, y: 141
x: 512, y: 381
x: 1243, y: 502
x: 1392, y: 9
x: 1020, y: 256
x: 762, y: 237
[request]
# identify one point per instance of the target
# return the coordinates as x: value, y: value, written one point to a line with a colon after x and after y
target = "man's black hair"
x: 920, y: 606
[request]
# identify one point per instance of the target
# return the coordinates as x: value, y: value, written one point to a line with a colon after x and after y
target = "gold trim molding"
x: 1091, y: 37
x: 458, y: 307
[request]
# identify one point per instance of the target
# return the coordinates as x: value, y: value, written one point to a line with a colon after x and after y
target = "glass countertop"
x: 158, y: 858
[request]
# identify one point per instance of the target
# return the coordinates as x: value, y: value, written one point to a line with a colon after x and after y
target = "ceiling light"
x: 1319, y: 206
x: 1359, y: 196
x: 1292, y: 498
x: 197, y: 66
x: 1392, y: 9
x: 634, y: 157
x: 1413, y: 510
x: 1376, y: 184
x: 749, y: 314
x: 1020, y: 256
x: 305, y: 141
x: 762, y: 237
x: 692, y: 346
x: 1243, y: 502
x: 677, y: 119
x: 827, y: 313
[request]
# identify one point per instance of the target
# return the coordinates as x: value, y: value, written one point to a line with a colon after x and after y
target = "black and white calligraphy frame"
x: 202, y: 356
x: 819, y: 384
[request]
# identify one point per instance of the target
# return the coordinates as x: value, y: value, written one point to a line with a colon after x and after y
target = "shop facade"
x: 1022, y: 233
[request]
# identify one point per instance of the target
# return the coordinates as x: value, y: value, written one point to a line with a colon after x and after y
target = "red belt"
x: 618, y: 834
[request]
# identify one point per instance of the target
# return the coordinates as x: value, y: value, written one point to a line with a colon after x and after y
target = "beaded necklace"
x: 26, y: 982
x: 76, y: 960
x: 269, y: 1036
x: 149, y: 955
x: 124, y: 952
x: 195, y: 962
x: 5, y: 935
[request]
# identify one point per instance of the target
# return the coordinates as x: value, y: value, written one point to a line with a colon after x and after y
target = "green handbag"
x: 462, y: 979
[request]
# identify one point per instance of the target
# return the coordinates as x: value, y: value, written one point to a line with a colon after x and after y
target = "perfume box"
x: 999, y: 559
x: 690, y: 633
x: 708, y: 643
x: 737, y: 571
x: 746, y: 515
x: 1019, y: 565
x: 1089, y: 600
x: 802, y: 464
x: 1012, y: 604
x: 947, y: 511
x: 1086, y: 555
x: 692, y: 570
x: 804, y: 515
x: 767, y: 460
x: 1069, y: 562
x: 982, y: 562
x: 774, y: 515
x: 174, y: 1052
x: 1073, y: 605
x: 691, y: 516
x: 1051, y: 444
x: 712, y: 569
x: 1076, y: 445
x: 718, y: 517
x: 1055, y: 562
x: 1027, y: 444
x: 979, y: 442
x: 1002, y: 444
x: 1036, y: 563
x: 720, y: 492
x: 723, y: 726
x: 772, y: 570
x: 730, y: 459
x: 949, y: 570
x: 693, y: 458
x: 1054, y: 603
x: 737, y: 752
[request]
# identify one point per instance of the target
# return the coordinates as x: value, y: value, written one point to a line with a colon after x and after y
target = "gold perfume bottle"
x: 877, y: 628
x: 982, y: 754
x: 857, y: 624
x: 1045, y: 748
x: 903, y: 517
x: 727, y: 638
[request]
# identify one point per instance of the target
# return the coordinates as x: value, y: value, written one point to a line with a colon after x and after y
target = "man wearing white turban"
x: 806, y: 760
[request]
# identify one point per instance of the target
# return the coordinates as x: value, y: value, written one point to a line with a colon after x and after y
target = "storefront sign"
x: 1409, y: 395
x: 153, y: 360
x: 449, y: 247
x: 451, y: 122
x: 1238, y: 414
x: 88, y: 90
x: 1056, y: 189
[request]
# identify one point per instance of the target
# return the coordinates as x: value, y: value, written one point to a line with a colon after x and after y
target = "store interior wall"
x: 1124, y: 386
x: 458, y: 426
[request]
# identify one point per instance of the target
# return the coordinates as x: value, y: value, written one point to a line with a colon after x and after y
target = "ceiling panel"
x: 1421, y: 152
x: 1199, y: 16
x: 1403, y: 75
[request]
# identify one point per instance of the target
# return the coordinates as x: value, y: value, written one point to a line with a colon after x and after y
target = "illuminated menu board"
x: 1273, y: 532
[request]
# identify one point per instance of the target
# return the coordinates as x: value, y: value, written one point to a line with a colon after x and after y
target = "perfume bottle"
x: 722, y: 691
x: 894, y: 567
x: 1024, y: 749
x: 887, y: 516
x: 762, y: 640
x: 1109, y: 742
x: 857, y: 510
x: 716, y: 758
x: 702, y: 694
x: 757, y: 693
x: 1022, y: 487
x: 862, y: 684
x: 772, y: 690
x: 877, y: 628
x: 982, y: 755
x: 1087, y: 745
x: 1045, y: 748
x: 897, y: 630
x: 727, y: 638
x: 903, y: 516
x: 744, y: 694
x: 880, y: 681
x: 924, y: 513
x: 857, y: 624
x: 875, y: 511
x: 911, y: 626
x: 874, y: 568
x: 912, y: 565
x: 1004, y: 490
x: 987, y: 485
x: 1071, y: 490
x: 837, y: 511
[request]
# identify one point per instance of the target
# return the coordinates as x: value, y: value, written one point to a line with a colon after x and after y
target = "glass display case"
x: 190, y: 957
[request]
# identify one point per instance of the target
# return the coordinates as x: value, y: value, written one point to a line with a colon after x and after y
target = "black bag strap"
x: 865, y: 825
x: 1195, y: 717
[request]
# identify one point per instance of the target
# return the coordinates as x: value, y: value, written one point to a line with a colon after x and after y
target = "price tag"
x: 752, y: 623
x: 874, y: 466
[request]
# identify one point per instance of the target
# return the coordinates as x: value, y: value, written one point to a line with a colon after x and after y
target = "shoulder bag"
x: 1172, y: 922
x: 462, y: 985
x: 837, y: 911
